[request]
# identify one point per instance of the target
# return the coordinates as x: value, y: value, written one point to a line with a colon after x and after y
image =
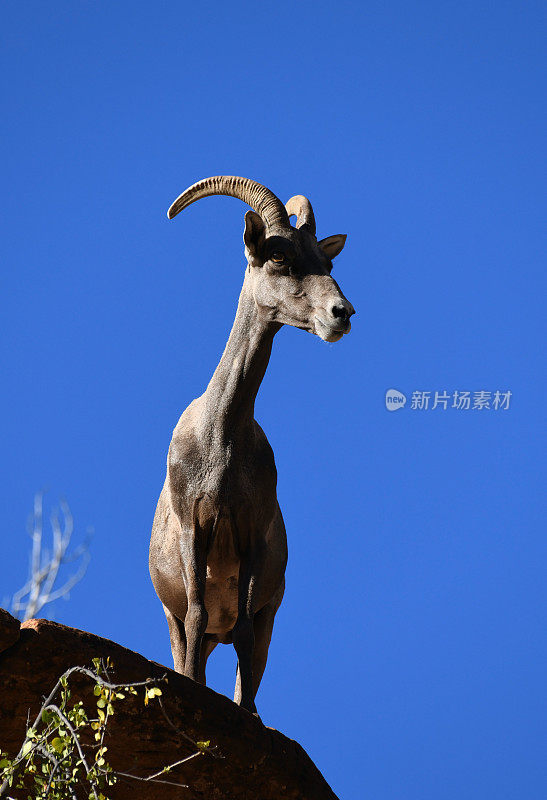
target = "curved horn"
x: 301, y: 206
x: 261, y: 199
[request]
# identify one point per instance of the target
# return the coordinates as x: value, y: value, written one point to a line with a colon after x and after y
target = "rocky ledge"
x: 250, y: 761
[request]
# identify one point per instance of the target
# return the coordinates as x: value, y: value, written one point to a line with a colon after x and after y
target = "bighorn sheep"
x: 219, y: 550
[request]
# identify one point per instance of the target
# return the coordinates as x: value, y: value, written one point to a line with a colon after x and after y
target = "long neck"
x: 230, y: 395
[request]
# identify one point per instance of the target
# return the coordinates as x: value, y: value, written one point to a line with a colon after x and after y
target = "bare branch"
x: 184, y: 735
x: 172, y: 766
x: 156, y: 780
x: 40, y: 589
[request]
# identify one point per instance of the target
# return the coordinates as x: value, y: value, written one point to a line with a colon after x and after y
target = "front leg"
x: 194, y: 569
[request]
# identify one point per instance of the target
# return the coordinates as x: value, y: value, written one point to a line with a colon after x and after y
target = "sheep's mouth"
x: 329, y: 333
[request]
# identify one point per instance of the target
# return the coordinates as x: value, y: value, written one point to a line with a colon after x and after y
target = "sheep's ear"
x: 333, y: 245
x: 253, y: 235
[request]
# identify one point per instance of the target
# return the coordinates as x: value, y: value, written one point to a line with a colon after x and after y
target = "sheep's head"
x: 289, y: 270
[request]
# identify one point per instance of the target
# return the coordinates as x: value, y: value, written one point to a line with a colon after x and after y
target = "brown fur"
x: 219, y: 550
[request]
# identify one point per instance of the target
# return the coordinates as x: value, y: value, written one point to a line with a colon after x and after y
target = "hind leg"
x: 208, y: 644
x: 178, y: 640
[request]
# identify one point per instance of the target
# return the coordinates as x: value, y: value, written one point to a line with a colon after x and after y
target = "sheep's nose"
x: 342, y: 312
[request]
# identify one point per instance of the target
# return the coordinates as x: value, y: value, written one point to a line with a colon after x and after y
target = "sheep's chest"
x: 229, y: 480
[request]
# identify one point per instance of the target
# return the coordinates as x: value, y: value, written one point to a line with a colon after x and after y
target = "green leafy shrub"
x: 63, y: 755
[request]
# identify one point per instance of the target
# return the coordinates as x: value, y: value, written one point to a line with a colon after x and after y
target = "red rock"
x: 9, y: 629
x: 255, y: 761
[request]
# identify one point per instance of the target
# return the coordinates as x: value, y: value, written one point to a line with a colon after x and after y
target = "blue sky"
x: 408, y: 655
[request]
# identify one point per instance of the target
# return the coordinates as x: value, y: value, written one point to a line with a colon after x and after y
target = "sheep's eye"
x: 277, y: 258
